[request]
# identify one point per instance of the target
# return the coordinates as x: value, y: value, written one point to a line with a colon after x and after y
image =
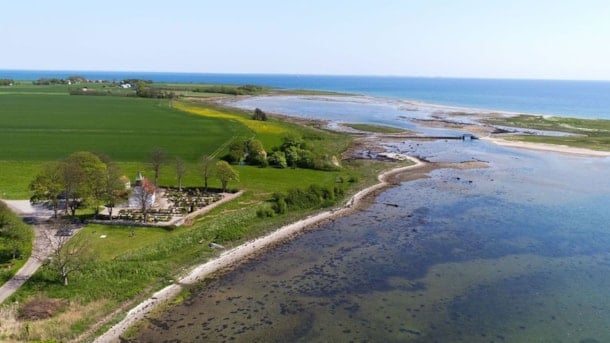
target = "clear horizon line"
x: 303, y: 74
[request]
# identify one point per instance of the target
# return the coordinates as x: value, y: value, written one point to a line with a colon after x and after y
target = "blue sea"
x: 584, y: 99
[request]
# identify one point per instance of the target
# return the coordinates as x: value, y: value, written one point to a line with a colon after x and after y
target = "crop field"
x: 48, y: 127
x: 35, y: 128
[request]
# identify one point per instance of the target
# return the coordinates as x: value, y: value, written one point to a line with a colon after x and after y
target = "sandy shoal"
x: 564, y: 149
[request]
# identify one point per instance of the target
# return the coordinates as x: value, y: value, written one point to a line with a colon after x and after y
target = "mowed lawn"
x: 44, y: 127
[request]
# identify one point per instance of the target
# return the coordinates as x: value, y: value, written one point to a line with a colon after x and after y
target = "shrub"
x: 298, y: 199
x: 278, y: 159
x: 279, y: 203
x: 265, y: 212
x: 259, y: 115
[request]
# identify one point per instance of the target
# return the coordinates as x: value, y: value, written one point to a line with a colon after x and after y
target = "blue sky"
x: 451, y: 38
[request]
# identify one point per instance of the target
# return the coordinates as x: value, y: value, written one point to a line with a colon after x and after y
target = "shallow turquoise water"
x: 516, y: 252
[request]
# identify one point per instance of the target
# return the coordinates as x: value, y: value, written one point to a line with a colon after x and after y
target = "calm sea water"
x: 569, y: 98
x: 517, y: 252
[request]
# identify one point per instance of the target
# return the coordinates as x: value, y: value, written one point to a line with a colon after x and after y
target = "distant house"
x: 125, y: 85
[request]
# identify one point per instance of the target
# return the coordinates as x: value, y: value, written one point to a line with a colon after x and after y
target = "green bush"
x: 265, y: 212
x: 295, y: 199
x: 279, y: 203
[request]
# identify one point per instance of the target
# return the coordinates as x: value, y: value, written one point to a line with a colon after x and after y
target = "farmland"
x: 46, y: 127
x: 39, y: 126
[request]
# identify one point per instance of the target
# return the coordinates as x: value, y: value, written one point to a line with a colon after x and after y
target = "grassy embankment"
x: 589, y: 133
x: 44, y: 127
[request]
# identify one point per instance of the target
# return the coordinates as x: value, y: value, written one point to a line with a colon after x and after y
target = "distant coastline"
x: 583, y: 99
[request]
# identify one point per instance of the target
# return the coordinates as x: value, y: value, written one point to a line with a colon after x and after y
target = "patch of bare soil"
x: 40, y: 308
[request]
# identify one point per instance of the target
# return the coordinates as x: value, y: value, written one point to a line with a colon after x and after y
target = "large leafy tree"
x: 48, y: 185
x: 256, y: 153
x: 81, y: 177
x: 84, y: 179
x: 114, y: 189
x: 225, y: 173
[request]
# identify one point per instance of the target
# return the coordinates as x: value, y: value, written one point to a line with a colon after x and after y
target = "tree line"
x: 85, y: 179
x: 231, y: 90
x: 81, y: 179
x: 292, y: 153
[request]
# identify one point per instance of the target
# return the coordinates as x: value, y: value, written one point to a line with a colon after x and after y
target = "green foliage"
x: 77, y: 79
x: 137, y: 81
x: 259, y: 115
x: 278, y: 159
x: 15, y: 242
x: 49, y: 81
x: 82, y: 178
x: 155, y: 93
x: 225, y: 173
x: 231, y: 90
x: 295, y: 199
x: 266, y: 212
x: 7, y: 82
x: 237, y: 152
x: 256, y: 154
x: 48, y: 185
x: 297, y: 152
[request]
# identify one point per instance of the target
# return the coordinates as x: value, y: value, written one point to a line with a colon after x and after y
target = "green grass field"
x: 48, y: 127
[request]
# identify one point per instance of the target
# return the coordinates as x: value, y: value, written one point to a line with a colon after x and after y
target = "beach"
x: 563, y: 149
